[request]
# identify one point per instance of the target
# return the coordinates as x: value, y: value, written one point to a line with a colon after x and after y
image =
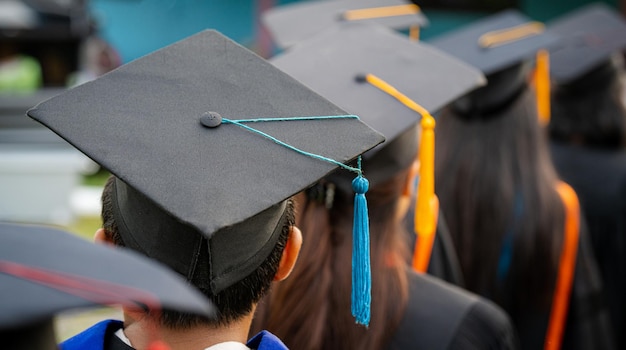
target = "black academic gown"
x: 599, y: 179
x: 441, y: 316
x: 444, y: 263
x: 588, y: 324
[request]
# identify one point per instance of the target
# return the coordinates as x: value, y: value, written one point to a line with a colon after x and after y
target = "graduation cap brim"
x: 292, y: 23
x: 464, y: 43
x: 333, y: 62
x: 118, y: 276
x: 588, y: 38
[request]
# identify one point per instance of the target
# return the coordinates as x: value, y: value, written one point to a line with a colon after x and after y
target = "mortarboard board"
x: 44, y: 271
x: 502, y: 46
x: 146, y: 122
x: 335, y: 62
x: 292, y: 23
x: 589, y: 37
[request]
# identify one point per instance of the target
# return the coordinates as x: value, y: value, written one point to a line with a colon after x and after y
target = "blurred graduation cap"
x: 292, y: 23
x: 340, y: 63
x: 44, y: 271
x: 589, y: 37
x: 193, y: 172
x: 503, y: 46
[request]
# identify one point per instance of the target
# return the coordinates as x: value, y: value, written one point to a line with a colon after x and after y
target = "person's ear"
x: 101, y: 237
x: 290, y: 254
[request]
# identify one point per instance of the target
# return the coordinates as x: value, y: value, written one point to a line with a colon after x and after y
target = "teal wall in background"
x: 545, y: 10
x: 443, y: 21
x: 138, y: 27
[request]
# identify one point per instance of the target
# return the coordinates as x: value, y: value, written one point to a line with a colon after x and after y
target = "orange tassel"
x: 542, y: 86
x: 427, y: 206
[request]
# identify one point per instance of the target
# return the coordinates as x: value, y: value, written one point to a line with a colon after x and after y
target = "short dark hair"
x: 233, y: 302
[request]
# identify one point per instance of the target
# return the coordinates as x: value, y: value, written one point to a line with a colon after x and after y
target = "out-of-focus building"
x: 39, y: 45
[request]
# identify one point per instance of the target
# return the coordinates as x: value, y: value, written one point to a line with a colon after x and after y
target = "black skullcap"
x: 207, y: 201
x: 589, y: 37
x: 336, y: 62
x: 292, y: 23
x: 44, y: 271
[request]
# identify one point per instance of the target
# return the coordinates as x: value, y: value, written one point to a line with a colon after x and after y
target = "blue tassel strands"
x: 361, y: 270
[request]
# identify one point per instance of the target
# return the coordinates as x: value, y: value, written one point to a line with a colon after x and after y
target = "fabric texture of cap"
x: 589, y: 37
x: 163, y: 125
x: 292, y: 23
x: 471, y: 43
x: 44, y: 271
x: 334, y: 63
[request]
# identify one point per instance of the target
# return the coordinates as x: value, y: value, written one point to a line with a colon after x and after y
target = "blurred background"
x: 47, y: 46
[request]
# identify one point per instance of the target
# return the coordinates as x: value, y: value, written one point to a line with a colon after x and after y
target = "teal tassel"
x: 361, y: 274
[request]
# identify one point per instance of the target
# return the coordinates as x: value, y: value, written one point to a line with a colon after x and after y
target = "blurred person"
x: 517, y: 229
x: 185, y: 189
x: 409, y: 310
x: 588, y: 134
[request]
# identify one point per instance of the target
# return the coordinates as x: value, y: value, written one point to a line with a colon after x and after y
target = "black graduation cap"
x: 337, y: 62
x: 183, y: 186
x: 589, y: 37
x: 292, y: 23
x: 44, y: 271
x: 503, y: 47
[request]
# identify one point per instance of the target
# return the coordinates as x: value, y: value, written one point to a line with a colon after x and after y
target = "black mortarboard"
x: 589, y: 37
x: 335, y: 63
x: 292, y: 23
x: 503, y: 47
x: 146, y: 122
x: 44, y: 271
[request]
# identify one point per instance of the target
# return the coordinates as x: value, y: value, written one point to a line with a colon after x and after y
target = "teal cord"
x: 305, y: 153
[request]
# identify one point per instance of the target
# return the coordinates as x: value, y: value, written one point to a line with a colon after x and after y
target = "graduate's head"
x: 233, y: 301
x: 503, y: 46
x: 588, y: 94
x: 501, y: 118
x: 205, y: 144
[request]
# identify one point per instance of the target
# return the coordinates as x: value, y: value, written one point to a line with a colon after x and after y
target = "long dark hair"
x: 311, y: 309
x: 494, y: 178
x: 591, y: 111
